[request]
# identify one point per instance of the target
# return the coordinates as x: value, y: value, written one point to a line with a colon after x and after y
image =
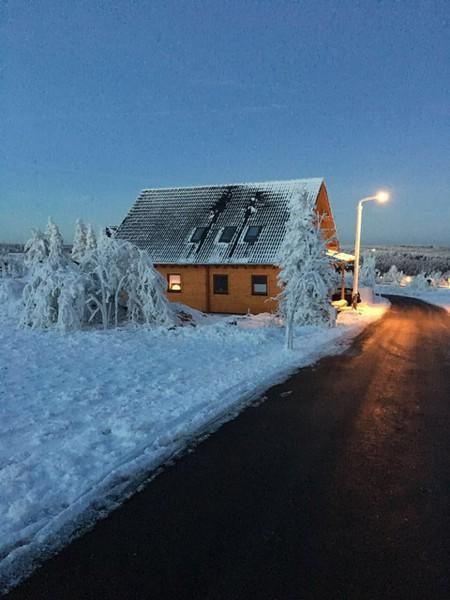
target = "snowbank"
x: 86, y: 416
x: 437, y: 296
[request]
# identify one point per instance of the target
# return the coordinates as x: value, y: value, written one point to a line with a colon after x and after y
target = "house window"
x: 252, y: 233
x: 227, y: 234
x: 198, y: 234
x: 174, y: 282
x: 220, y: 284
x: 259, y: 285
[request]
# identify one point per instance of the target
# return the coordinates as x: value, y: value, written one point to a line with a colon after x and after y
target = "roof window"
x: 227, y: 234
x: 198, y: 234
x: 252, y: 233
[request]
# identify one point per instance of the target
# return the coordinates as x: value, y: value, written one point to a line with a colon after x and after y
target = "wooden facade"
x: 198, y: 287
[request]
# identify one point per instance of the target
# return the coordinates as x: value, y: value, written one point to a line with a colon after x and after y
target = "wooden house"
x: 217, y: 246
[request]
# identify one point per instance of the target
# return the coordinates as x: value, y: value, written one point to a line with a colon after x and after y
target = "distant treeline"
x: 413, y: 261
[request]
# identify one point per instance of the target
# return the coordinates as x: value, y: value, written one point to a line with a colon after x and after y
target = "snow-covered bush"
x: 145, y: 289
x: 307, y: 277
x: 368, y: 272
x: 122, y: 277
x: 54, y: 297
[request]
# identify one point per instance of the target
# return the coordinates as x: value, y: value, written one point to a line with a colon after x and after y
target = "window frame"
x: 233, y: 227
x: 253, y: 283
x: 215, y: 275
x: 170, y: 291
x: 202, y: 235
x: 254, y: 238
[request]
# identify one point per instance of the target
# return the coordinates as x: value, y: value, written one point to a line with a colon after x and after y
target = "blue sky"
x: 100, y: 99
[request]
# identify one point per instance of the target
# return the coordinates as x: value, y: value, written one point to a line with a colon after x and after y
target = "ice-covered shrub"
x: 122, y: 277
x: 306, y: 276
x: 54, y: 296
x: 145, y: 290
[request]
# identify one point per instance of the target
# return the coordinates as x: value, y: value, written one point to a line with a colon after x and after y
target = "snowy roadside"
x: 437, y: 296
x: 86, y: 416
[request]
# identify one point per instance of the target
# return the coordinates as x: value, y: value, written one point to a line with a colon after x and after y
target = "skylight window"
x: 252, y: 233
x: 198, y: 234
x: 227, y: 234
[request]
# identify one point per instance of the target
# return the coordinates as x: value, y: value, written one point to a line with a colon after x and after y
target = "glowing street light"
x: 380, y: 197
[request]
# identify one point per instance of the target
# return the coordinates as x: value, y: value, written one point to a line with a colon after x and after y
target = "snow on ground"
x: 84, y: 417
x: 437, y: 296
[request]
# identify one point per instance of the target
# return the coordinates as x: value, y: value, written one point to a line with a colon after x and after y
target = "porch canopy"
x: 341, y: 256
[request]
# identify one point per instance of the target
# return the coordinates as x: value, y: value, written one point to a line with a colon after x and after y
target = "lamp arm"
x: 367, y: 199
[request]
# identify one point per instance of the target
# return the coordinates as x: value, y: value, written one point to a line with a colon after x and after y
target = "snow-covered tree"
x: 79, y: 241
x: 55, y: 243
x: 368, y: 272
x: 420, y: 282
x: 36, y: 249
x: 114, y: 281
x: 307, y: 277
x: 54, y: 295
x: 91, y: 240
x: 393, y: 276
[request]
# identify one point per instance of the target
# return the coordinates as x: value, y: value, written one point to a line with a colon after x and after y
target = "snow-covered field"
x: 86, y: 416
x: 437, y: 296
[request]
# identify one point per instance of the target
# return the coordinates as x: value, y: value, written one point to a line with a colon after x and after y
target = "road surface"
x: 336, y: 487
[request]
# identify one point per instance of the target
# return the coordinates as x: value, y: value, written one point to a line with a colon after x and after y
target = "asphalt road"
x: 336, y: 487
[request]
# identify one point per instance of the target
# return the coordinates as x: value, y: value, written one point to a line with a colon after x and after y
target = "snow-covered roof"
x: 164, y: 221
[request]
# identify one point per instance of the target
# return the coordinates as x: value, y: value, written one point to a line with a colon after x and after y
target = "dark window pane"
x: 259, y: 285
x: 198, y: 234
x: 227, y: 234
x: 220, y: 284
x: 252, y: 233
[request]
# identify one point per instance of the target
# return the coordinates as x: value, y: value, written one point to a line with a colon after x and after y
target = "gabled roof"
x: 163, y: 221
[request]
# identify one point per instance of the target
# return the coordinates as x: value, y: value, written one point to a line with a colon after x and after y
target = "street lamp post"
x: 379, y: 197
